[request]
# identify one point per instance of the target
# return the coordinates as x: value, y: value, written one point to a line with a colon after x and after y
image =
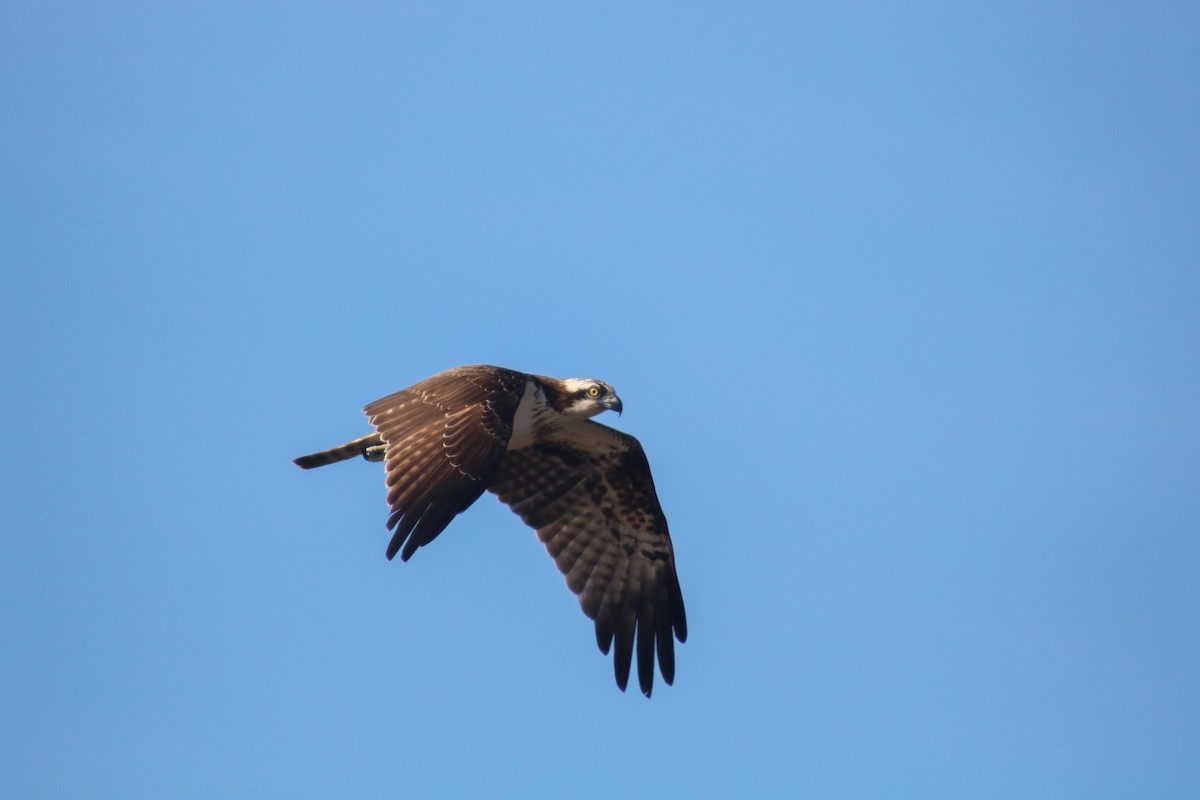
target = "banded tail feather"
x: 369, y: 447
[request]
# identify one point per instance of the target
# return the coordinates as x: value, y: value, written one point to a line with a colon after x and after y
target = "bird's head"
x: 587, y: 397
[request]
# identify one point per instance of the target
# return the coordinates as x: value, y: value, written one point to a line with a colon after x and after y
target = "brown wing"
x: 445, y: 437
x: 594, y: 506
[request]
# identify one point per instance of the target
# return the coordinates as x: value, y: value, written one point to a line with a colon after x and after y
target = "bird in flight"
x: 585, y: 488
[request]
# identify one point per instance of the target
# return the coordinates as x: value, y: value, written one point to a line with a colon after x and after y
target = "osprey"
x: 584, y: 487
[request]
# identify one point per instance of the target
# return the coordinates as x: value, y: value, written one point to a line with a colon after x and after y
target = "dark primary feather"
x: 445, y: 438
x: 596, y: 511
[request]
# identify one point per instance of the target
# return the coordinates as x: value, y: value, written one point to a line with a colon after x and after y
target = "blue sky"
x: 902, y: 303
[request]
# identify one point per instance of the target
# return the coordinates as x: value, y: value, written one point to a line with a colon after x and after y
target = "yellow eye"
x: 594, y: 391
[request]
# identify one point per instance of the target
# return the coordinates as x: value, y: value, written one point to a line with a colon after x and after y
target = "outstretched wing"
x: 445, y: 437
x: 591, y: 500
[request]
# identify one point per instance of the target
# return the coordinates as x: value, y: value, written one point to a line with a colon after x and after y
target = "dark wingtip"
x: 622, y: 674
x: 410, y: 547
x: 394, y: 547
x: 604, y: 633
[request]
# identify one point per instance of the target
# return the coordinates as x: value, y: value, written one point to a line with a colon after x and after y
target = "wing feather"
x: 591, y: 499
x: 623, y: 657
x: 445, y: 438
x: 645, y: 644
x: 666, y: 642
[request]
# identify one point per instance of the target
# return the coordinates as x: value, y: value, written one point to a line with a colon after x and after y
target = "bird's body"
x: 584, y: 487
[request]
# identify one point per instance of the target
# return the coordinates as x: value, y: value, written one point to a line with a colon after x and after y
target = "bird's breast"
x: 533, y: 417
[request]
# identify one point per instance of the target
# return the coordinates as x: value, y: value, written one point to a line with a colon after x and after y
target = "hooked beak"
x: 614, y: 404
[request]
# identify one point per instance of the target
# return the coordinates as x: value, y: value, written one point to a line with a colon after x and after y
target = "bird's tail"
x: 370, y: 447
